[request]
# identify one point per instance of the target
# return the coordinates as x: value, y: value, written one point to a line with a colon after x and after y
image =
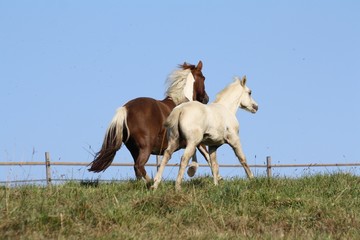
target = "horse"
x: 139, y: 123
x: 213, y: 125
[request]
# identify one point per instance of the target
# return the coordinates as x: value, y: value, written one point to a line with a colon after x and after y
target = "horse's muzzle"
x: 205, y: 99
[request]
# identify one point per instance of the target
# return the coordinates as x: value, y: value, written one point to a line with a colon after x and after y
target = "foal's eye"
x: 250, y: 93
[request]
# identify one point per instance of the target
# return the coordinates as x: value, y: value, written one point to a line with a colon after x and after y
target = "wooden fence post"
x: 268, y: 166
x: 48, y: 170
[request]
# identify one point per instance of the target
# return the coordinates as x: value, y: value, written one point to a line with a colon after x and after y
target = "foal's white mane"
x: 179, y: 82
x: 230, y: 96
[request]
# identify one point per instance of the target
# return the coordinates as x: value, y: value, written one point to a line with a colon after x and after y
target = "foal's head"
x: 246, y: 101
x: 199, y: 84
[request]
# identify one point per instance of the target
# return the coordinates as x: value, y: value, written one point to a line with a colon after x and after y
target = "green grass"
x: 312, y: 207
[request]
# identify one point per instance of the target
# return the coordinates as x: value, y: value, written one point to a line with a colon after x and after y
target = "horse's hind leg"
x: 188, y: 152
x: 236, y: 145
x: 141, y: 156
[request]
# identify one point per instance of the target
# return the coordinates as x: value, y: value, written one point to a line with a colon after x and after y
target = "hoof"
x: 149, y: 185
x: 192, y: 169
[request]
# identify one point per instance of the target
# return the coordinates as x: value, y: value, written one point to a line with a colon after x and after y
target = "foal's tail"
x: 172, y: 123
x: 112, y: 142
x: 173, y: 128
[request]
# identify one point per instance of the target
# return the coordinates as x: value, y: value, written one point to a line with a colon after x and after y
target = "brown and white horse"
x: 139, y: 124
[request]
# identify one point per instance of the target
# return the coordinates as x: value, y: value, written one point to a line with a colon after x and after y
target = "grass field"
x: 312, y: 207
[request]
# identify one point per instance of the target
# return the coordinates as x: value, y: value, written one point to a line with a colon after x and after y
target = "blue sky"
x: 65, y: 66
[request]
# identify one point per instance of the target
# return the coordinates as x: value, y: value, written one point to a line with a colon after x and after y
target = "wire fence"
x: 48, y: 164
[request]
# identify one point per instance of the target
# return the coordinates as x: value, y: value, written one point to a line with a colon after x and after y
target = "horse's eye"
x: 250, y: 93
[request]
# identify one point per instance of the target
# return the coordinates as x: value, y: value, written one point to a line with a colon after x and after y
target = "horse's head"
x: 246, y: 101
x: 199, y: 84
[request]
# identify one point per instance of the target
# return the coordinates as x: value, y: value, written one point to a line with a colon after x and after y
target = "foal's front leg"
x: 214, y: 164
x: 236, y: 146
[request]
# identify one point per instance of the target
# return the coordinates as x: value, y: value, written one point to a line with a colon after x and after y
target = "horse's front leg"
x: 214, y: 164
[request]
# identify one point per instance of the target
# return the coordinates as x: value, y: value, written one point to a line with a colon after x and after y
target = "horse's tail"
x: 112, y: 141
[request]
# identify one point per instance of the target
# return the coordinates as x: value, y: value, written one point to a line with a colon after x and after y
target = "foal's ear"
x: 243, y: 81
x: 199, y: 66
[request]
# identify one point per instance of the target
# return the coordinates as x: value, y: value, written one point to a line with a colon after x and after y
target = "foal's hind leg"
x: 188, y: 152
x: 193, y: 166
x: 236, y: 146
x: 173, y: 145
x: 204, y: 152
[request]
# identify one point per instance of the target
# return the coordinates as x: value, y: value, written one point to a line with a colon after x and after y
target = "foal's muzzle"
x: 255, y: 108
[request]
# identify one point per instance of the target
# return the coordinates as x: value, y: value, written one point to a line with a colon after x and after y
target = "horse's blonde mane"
x: 227, y: 90
x: 176, y: 82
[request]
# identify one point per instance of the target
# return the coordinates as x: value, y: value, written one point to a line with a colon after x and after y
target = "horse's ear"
x: 243, y: 81
x: 199, y: 66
